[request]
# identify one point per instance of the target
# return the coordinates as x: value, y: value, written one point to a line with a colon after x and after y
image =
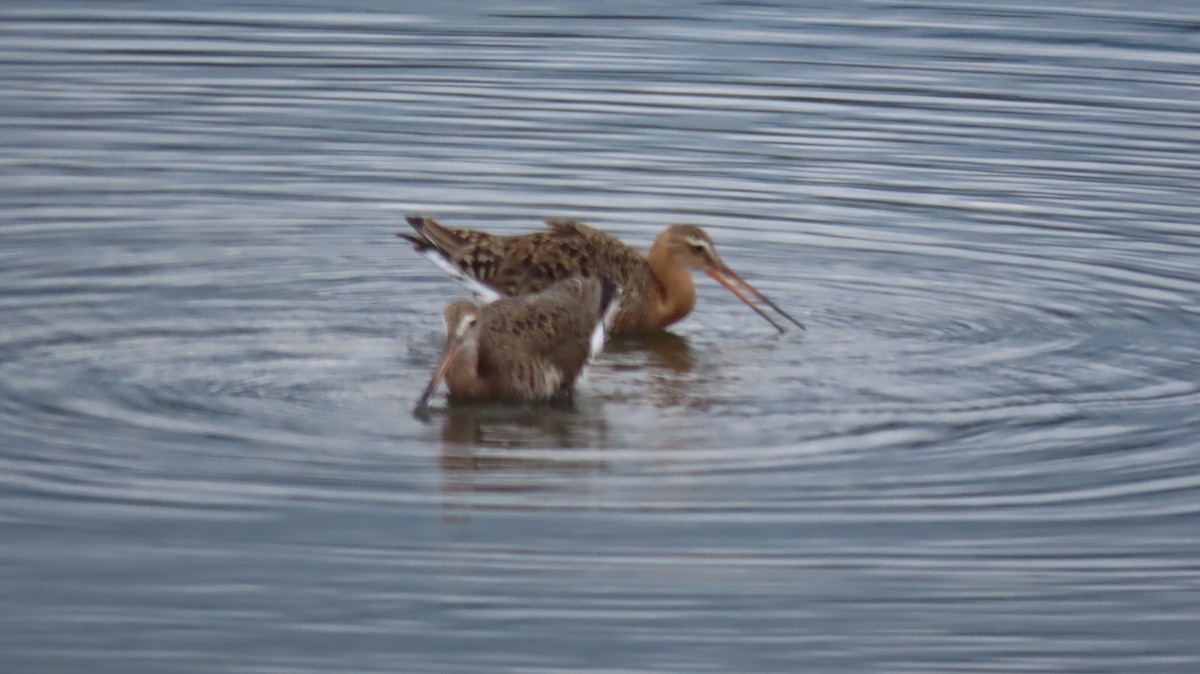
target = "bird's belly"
x: 528, y: 382
x: 539, y: 381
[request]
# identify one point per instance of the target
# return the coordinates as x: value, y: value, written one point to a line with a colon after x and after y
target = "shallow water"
x: 981, y: 457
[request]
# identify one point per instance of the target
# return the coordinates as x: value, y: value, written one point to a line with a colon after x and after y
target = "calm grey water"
x: 984, y: 455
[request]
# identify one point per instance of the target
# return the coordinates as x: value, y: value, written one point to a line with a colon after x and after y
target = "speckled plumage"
x: 526, y: 348
x: 656, y: 289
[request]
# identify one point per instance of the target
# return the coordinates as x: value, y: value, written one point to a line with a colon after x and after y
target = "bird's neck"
x: 674, y: 292
x: 463, y: 377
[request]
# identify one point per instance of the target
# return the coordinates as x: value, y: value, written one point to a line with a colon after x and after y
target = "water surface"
x: 981, y: 457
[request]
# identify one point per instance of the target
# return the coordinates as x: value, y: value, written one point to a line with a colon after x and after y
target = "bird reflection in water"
x: 662, y: 349
x: 482, y: 443
x: 534, y: 426
x: 661, y: 363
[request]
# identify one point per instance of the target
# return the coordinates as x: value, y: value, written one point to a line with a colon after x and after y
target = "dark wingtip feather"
x: 608, y: 291
x: 420, y: 242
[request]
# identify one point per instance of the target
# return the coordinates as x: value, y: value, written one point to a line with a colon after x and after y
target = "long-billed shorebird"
x: 656, y: 289
x: 523, y: 349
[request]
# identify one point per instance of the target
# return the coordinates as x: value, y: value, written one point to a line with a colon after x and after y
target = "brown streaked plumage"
x: 656, y: 289
x: 523, y: 349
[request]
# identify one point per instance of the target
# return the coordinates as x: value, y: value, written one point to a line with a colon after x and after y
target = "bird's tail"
x: 439, y: 245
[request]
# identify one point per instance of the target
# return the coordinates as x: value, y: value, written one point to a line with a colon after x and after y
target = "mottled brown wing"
x: 600, y: 254
x: 527, y: 263
x: 550, y: 327
x: 582, y: 303
x: 475, y: 254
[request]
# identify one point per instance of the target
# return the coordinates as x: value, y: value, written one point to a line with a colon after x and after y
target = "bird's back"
x: 538, y: 344
x: 520, y: 264
x: 512, y: 265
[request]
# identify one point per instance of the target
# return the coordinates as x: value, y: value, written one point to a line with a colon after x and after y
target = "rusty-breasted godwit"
x: 656, y: 289
x: 523, y: 349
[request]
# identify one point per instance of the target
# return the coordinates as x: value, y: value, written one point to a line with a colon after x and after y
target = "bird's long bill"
x: 738, y: 286
x: 448, y: 354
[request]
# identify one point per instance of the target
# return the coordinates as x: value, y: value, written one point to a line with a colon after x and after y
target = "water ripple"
x: 211, y: 339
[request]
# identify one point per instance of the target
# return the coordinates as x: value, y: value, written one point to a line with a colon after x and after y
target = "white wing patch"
x: 604, y: 325
x: 482, y: 293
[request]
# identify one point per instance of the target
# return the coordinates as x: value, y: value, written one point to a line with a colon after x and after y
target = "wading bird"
x: 656, y: 289
x: 528, y: 348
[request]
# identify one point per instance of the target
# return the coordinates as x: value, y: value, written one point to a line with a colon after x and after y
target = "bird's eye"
x: 466, y: 323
